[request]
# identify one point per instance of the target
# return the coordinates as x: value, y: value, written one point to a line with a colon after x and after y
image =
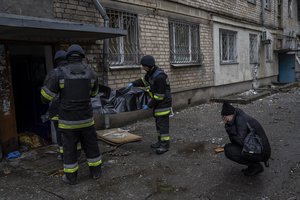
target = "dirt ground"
x: 190, y: 170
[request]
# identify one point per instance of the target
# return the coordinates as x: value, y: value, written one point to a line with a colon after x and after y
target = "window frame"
x: 121, y: 61
x: 267, y: 5
x: 298, y: 11
x: 253, y: 49
x: 290, y: 9
x: 268, y: 52
x: 252, y: 1
x: 193, y: 28
x: 235, y: 56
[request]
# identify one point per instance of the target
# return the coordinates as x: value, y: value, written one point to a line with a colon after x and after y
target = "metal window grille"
x: 298, y: 10
x: 268, y: 49
x: 123, y: 50
x: 267, y: 4
x: 184, y: 43
x: 253, y: 47
x: 290, y: 8
x: 228, y: 46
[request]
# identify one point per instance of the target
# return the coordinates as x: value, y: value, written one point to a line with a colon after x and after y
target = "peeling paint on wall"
x: 5, y: 92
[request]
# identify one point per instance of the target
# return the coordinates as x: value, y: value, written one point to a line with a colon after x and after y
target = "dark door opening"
x: 28, y: 74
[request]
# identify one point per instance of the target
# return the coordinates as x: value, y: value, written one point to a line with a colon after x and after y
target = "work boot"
x: 164, y: 147
x: 96, y: 172
x: 157, y: 144
x: 70, y: 178
x: 254, y: 169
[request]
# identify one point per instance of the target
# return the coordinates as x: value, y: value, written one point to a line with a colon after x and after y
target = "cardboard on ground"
x: 117, y: 136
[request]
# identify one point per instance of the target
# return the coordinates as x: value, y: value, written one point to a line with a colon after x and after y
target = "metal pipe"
x: 263, y: 2
x: 105, y: 17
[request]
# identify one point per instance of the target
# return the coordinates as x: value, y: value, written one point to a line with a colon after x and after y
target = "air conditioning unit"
x: 265, y: 37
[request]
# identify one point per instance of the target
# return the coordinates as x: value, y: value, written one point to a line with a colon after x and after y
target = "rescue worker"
x: 237, y: 129
x: 75, y: 83
x: 59, y: 61
x: 157, y: 85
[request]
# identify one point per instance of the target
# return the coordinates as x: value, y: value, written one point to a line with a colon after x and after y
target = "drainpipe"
x: 105, y: 17
x: 263, y: 2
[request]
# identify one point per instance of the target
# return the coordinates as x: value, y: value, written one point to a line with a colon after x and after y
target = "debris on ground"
x: 13, y: 155
x: 6, y: 171
x: 117, y: 136
x: 219, y: 149
x: 31, y: 140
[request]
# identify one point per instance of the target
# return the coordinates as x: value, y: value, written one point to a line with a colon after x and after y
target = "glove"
x: 130, y: 85
x: 145, y: 107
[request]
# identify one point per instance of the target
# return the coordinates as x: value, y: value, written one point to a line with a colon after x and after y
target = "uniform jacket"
x: 157, y: 85
x: 75, y: 84
x: 237, y: 130
x: 54, y: 105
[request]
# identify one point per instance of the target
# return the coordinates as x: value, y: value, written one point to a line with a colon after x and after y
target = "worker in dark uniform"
x: 59, y: 61
x: 157, y: 85
x: 75, y: 83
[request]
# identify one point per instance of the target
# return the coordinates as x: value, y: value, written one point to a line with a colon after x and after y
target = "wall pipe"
x: 105, y: 17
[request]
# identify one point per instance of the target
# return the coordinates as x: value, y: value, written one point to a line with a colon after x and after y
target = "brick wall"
x: 239, y: 9
x: 83, y: 11
x: 154, y: 34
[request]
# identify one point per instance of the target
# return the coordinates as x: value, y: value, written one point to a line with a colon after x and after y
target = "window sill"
x: 229, y: 63
x: 121, y: 67
x: 253, y: 3
x: 186, y: 65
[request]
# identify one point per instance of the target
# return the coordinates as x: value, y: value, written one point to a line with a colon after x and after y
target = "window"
x: 279, y: 8
x: 252, y: 1
x: 184, y: 43
x: 268, y: 52
x: 298, y: 10
x: 267, y: 4
x: 123, y: 50
x: 253, y: 48
x: 228, y: 51
x: 290, y: 9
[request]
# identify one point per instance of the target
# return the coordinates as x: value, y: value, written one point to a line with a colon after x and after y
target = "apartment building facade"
x: 208, y: 48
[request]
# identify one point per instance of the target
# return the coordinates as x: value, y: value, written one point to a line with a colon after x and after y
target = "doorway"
x: 28, y: 68
x: 286, y: 68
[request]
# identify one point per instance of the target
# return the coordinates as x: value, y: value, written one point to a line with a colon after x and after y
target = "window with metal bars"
x: 228, y: 51
x: 290, y: 9
x: 253, y: 48
x: 268, y: 52
x: 184, y: 43
x: 267, y: 4
x: 298, y: 10
x: 123, y: 50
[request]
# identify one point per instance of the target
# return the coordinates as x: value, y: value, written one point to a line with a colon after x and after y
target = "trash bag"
x: 123, y: 100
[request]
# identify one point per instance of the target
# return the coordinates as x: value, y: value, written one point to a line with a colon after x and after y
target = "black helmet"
x: 148, y: 61
x: 75, y: 50
x: 60, y: 55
